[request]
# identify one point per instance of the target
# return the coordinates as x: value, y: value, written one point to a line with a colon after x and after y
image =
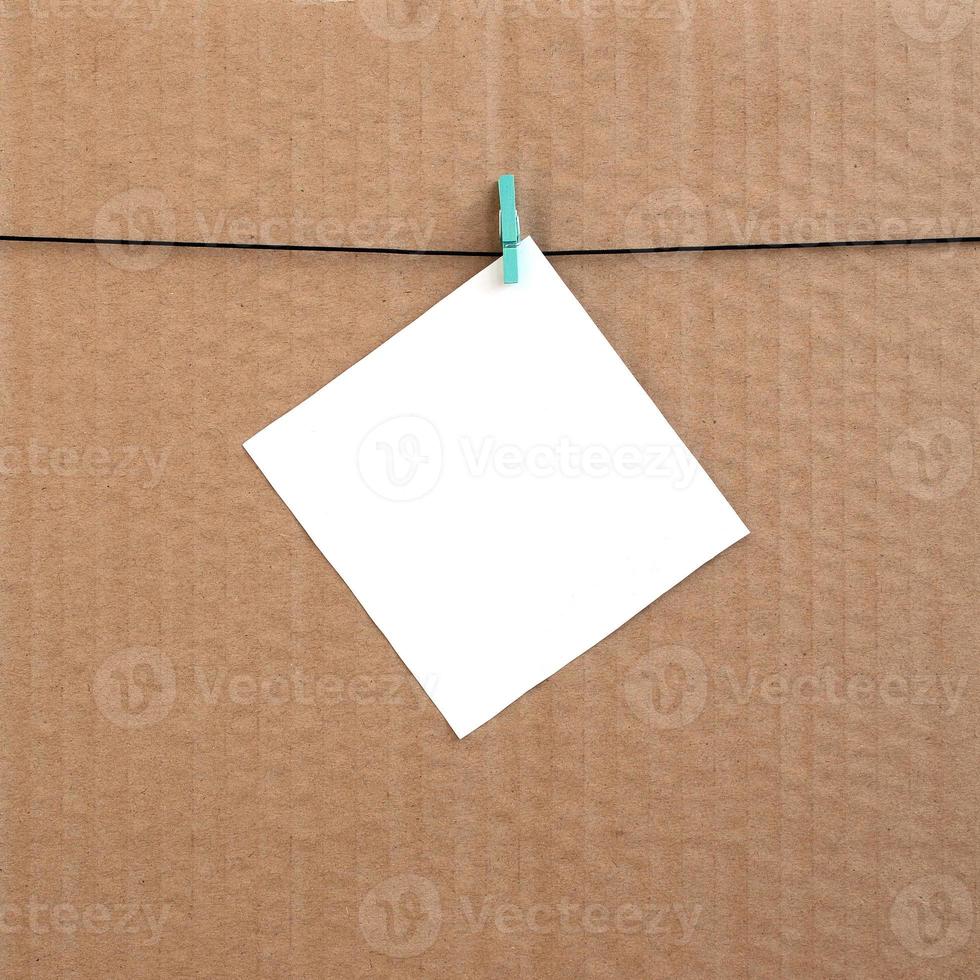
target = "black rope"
x: 377, y: 250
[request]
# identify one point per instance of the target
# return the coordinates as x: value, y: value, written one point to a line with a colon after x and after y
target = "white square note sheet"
x: 496, y: 489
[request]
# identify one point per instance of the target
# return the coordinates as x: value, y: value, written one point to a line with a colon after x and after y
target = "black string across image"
x: 378, y: 250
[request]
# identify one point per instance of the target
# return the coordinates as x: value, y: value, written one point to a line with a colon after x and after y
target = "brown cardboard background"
x: 832, y: 397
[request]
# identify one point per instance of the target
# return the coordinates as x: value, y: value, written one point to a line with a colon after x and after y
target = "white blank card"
x: 496, y: 489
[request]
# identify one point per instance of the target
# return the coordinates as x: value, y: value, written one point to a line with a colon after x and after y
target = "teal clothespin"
x: 510, y: 226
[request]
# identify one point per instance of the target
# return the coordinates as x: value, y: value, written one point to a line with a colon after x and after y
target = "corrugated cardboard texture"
x: 215, y: 766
